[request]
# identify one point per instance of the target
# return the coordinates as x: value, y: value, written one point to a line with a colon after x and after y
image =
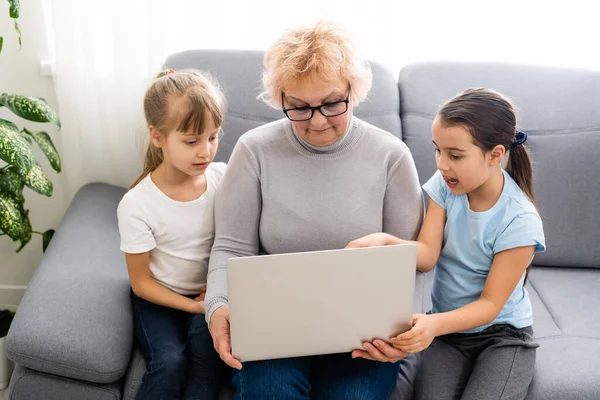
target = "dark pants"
x: 326, y: 377
x: 496, y: 363
x: 181, y: 362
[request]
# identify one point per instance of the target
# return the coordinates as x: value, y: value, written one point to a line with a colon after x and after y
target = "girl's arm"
x: 145, y: 287
x: 431, y: 236
x: 506, y: 272
x: 429, y: 241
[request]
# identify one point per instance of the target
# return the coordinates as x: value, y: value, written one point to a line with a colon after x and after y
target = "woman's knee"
x: 358, y: 379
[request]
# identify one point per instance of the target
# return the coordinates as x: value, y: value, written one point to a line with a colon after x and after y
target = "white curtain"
x: 106, y: 52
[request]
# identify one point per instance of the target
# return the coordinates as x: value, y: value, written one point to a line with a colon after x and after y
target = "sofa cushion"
x: 543, y: 322
x: 567, y: 326
x: 135, y: 373
x: 242, y: 85
x: 566, y: 368
x: 75, y: 320
x: 27, y: 384
x: 570, y: 297
x: 567, y: 185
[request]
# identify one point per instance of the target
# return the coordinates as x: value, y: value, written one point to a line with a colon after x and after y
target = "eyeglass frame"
x: 315, y: 108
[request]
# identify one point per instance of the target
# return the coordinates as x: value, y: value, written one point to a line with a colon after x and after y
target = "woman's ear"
x: 155, y: 136
x: 496, y: 155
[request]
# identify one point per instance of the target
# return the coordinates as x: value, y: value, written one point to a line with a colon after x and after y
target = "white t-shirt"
x: 178, y: 235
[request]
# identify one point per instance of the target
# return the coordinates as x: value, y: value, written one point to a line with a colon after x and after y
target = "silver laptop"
x: 322, y: 302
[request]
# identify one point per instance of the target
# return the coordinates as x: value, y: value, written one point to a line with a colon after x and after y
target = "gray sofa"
x: 72, y: 337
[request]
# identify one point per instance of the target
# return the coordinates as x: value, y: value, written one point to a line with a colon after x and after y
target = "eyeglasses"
x: 305, y: 113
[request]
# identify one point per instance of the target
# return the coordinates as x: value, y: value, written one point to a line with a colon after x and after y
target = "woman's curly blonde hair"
x: 321, y: 51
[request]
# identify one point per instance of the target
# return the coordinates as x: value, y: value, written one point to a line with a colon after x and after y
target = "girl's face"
x: 189, y: 153
x: 312, y: 91
x: 465, y: 166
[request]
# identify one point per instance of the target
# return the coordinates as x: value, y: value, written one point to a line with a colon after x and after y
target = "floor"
x: 4, y: 394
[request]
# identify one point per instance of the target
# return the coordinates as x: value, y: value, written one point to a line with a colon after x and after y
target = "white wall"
x: 20, y: 74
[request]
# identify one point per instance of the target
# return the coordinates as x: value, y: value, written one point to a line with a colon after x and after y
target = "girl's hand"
x: 424, y: 330
x: 199, y: 306
x: 379, y: 350
x: 374, y: 239
x: 202, y: 294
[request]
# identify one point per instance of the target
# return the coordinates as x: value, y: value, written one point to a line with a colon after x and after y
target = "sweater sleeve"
x: 238, y: 205
x: 403, y: 202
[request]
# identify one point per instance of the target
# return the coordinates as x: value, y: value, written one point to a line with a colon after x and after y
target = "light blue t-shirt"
x: 471, y: 239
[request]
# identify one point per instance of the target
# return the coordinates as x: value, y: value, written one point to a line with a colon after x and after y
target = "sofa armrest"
x: 75, y: 318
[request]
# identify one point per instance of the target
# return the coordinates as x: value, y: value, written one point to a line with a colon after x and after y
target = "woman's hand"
x: 219, y: 330
x: 379, y: 350
x: 374, y: 239
x: 424, y: 330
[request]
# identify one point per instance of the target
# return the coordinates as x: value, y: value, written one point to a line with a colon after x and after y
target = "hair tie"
x: 171, y: 71
x: 520, y: 138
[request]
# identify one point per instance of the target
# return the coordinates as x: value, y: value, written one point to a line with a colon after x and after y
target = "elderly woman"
x: 314, y: 180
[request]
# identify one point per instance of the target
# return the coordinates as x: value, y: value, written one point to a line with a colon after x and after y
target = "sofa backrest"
x: 560, y: 111
x: 239, y: 74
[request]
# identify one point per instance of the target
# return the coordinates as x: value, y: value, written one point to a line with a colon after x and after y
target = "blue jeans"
x: 181, y: 362
x: 330, y: 377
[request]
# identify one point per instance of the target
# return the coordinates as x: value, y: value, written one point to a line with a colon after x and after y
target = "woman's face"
x: 312, y: 91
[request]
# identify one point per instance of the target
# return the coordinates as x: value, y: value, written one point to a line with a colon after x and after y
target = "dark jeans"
x: 181, y: 362
x: 326, y: 377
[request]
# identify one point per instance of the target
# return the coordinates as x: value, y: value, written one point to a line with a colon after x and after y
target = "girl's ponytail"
x: 153, y: 159
x: 519, y: 165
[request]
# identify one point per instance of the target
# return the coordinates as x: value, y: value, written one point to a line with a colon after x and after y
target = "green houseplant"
x: 20, y: 167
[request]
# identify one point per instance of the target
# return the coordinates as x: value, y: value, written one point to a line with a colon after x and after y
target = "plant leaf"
x: 14, y: 8
x: 11, y: 182
x: 45, y: 143
x: 14, y: 149
x: 11, y: 216
x: 30, y: 108
x: 9, y: 125
x: 18, y: 33
x: 27, y: 137
x: 1, y: 43
x: 26, y: 238
x: 37, y: 180
x: 47, y: 237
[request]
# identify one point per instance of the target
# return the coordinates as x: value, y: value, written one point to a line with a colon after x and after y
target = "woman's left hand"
x: 379, y: 350
x: 424, y: 330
